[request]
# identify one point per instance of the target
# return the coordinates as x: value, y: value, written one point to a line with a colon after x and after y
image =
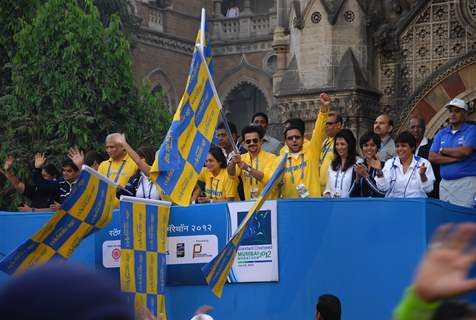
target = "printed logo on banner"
x: 180, y: 250
x: 259, y: 231
x: 192, y: 249
x: 111, y: 254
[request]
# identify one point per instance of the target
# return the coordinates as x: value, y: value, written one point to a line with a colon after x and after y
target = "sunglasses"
x: 291, y: 138
x: 250, y: 141
x: 330, y: 123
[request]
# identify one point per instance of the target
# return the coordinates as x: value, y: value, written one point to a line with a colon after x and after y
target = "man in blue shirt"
x: 454, y: 149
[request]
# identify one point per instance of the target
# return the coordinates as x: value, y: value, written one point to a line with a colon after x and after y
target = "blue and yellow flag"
x: 183, y: 152
x: 87, y: 209
x: 144, y: 225
x: 216, y: 271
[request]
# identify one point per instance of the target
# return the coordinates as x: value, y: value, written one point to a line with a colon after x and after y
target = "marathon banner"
x: 144, y: 226
x: 257, y: 257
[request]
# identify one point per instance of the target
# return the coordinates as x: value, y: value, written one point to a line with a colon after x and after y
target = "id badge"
x: 302, y: 191
x: 254, y: 193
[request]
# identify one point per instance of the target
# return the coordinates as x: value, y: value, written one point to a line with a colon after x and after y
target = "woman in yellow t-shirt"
x: 218, y: 185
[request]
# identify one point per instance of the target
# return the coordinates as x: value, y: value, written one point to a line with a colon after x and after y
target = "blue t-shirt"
x: 465, y: 136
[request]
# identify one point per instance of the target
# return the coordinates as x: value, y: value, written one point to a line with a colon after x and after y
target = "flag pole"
x: 215, y: 93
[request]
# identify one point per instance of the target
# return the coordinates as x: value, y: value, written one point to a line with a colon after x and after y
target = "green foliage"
x: 72, y: 85
x: 13, y: 15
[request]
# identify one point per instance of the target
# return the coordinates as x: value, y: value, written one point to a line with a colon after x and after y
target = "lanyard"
x: 325, y: 149
x: 341, y: 180
x: 384, y: 144
x: 143, y: 189
x: 394, y: 180
x: 118, y: 172
x: 251, y: 163
x: 212, y: 192
x: 291, y: 169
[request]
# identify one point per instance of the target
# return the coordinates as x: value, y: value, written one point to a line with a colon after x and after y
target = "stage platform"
x: 362, y: 250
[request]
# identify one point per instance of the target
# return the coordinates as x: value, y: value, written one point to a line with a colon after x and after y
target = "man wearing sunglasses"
x: 301, y: 177
x: 252, y: 165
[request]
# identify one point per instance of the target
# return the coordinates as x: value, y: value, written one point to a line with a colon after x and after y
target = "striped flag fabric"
x: 144, y: 225
x: 87, y: 209
x: 181, y: 156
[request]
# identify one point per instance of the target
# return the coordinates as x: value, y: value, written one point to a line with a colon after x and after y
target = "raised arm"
x: 76, y: 156
x: 8, y: 172
x: 443, y: 272
x: 143, y: 166
x: 318, y: 134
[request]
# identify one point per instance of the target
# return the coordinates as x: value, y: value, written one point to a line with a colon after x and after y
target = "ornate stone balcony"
x: 245, y: 27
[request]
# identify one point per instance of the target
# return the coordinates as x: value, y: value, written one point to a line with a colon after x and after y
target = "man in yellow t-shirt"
x: 119, y: 167
x: 333, y: 125
x: 301, y: 176
x: 251, y: 166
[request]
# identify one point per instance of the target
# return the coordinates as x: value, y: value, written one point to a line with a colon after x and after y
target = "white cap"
x: 458, y: 103
x: 202, y: 317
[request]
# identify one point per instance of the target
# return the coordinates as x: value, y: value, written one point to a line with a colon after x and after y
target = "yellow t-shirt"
x: 263, y: 161
x: 220, y: 187
x: 118, y: 171
x: 327, y: 155
x: 303, y: 168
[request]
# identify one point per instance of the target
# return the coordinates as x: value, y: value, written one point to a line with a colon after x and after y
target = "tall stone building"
x: 398, y: 56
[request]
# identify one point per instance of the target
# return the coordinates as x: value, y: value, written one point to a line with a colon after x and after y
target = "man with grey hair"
x: 454, y: 150
x: 119, y: 167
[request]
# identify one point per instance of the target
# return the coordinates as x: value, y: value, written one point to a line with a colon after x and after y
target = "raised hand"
x: 325, y: 101
x: 8, y: 164
x: 40, y: 159
x: 443, y: 272
x: 375, y: 163
x: 76, y: 156
x: 422, y: 169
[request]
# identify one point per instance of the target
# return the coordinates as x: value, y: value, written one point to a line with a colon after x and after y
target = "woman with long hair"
x: 219, y: 186
x: 341, y: 175
x: 366, y: 171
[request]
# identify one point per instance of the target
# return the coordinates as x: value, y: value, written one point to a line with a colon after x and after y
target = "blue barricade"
x: 363, y: 250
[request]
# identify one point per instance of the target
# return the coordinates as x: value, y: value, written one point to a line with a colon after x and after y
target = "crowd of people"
x: 332, y: 163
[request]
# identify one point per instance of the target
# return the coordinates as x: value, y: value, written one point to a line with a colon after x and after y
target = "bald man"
x: 383, y: 126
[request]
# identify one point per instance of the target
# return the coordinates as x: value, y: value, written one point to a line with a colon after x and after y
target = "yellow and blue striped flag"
x: 87, y: 209
x: 144, y: 225
x: 216, y: 271
x: 181, y: 156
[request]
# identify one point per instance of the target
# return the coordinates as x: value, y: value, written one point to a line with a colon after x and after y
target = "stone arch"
x: 242, y: 100
x: 454, y: 79
x: 159, y: 78
x: 246, y: 73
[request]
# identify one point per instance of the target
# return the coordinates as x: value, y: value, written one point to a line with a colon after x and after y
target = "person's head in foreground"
x: 59, y: 291
x: 328, y: 307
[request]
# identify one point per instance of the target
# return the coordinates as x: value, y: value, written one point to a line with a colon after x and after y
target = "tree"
x: 72, y: 85
x: 13, y: 15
